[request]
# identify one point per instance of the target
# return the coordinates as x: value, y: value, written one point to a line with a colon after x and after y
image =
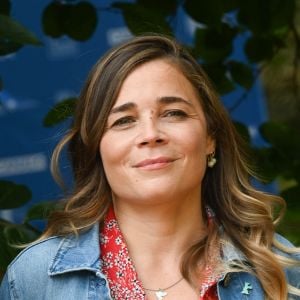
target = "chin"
x: 156, y: 195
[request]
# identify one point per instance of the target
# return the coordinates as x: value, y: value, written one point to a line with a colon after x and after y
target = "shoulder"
x: 281, y: 239
x: 47, y: 244
x: 37, y: 254
x: 35, y: 259
x: 287, y: 250
x: 54, y: 253
x: 44, y: 269
x: 30, y: 266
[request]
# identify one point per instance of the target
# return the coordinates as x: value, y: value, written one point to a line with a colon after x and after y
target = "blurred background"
x: 250, y: 50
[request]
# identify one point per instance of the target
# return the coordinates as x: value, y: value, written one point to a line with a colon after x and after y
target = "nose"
x: 151, y: 135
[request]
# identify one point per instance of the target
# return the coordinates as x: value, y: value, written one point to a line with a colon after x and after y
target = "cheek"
x: 108, y: 160
x: 107, y: 155
x: 195, y: 143
x: 112, y: 152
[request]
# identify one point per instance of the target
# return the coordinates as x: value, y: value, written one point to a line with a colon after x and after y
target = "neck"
x: 158, y: 235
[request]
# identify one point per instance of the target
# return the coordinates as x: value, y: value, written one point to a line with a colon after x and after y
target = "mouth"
x: 154, y: 164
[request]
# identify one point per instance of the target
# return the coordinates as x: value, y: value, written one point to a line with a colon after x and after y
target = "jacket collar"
x: 82, y: 252
x: 77, y: 253
x: 230, y: 252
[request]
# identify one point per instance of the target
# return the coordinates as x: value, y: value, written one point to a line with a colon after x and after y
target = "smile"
x: 154, y: 164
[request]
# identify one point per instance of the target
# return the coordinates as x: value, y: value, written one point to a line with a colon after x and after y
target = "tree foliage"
x: 263, y: 28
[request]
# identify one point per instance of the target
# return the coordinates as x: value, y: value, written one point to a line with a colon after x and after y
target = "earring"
x: 211, y: 160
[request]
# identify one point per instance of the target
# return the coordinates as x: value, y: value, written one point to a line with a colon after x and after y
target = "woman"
x: 162, y: 207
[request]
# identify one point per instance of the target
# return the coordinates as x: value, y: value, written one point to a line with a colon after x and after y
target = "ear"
x: 210, y: 145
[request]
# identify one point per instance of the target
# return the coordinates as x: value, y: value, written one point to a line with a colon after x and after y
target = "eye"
x: 175, y: 114
x: 123, y: 122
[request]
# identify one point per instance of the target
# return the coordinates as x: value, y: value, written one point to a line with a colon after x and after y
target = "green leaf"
x: 60, y: 112
x: 41, y: 211
x: 214, y: 45
x: 81, y: 21
x: 218, y: 75
x: 291, y: 196
x: 53, y: 17
x: 166, y: 7
x: 268, y: 162
x: 12, y: 235
x: 18, y: 234
x: 77, y: 20
x: 15, y: 32
x: 5, y: 7
x: 286, y: 143
x: 206, y: 12
x: 290, y: 227
x: 266, y: 16
x: 7, y: 47
x: 5, y: 253
x: 241, y: 73
x: 230, y: 5
x: 242, y: 129
x: 282, y: 157
x: 259, y: 48
x: 13, y: 195
x: 281, y: 136
x: 142, y: 20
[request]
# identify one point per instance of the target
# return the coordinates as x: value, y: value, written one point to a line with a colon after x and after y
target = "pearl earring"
x: 211, y: 160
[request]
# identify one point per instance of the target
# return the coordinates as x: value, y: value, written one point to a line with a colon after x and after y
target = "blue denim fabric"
x: 69, y: 269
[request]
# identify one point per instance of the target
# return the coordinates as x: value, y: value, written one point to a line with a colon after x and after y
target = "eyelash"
x: 124, y: 121
x: 174, y: 114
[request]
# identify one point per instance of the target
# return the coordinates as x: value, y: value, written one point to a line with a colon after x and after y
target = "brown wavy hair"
x: 245, y: 214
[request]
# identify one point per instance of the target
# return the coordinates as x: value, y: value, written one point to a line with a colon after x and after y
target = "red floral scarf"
x: 119, y: 269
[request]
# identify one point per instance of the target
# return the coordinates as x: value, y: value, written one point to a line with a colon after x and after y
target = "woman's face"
x: 156, y: 143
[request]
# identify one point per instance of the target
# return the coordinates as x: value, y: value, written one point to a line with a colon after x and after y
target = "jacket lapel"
x: 77, y: 253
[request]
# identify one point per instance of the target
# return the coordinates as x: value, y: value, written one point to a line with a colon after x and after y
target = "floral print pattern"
x: 119, y: 269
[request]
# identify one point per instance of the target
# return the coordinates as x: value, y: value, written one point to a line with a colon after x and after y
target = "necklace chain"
x: 165, y: 289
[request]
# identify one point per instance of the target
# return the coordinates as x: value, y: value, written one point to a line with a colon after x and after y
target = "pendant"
x: 160, y: 294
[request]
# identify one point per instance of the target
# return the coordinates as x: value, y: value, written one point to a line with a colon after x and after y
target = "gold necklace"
x: 161, y: 293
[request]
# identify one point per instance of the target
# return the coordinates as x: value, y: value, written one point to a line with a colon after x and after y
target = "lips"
x: 155, y: 163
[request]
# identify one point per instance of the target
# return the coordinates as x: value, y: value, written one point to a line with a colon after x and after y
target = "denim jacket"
x: 69, y: 268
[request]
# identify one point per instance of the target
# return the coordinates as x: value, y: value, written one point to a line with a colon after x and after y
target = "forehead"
x: 157, y: 78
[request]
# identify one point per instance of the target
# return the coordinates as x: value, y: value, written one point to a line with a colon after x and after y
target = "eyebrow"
x: 123, y: 107
x: 173, y: 99
x: 162, y: 100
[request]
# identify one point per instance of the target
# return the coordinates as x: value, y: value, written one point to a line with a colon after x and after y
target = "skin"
x: 154, y: 153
